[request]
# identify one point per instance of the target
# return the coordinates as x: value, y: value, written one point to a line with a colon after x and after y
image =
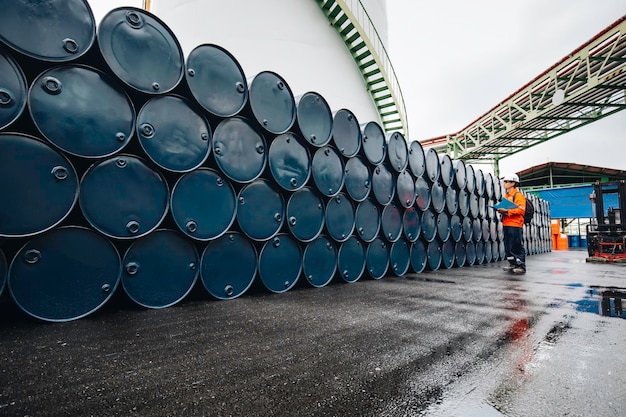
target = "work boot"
x: 508, y: 268
x: 518, y: 270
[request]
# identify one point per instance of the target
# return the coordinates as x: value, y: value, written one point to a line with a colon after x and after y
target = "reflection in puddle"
x: 606, y: 301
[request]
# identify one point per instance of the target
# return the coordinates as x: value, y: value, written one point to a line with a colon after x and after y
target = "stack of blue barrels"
x: 127, y: 167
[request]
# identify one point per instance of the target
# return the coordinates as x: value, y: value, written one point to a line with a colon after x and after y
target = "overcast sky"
x: 458, y: 59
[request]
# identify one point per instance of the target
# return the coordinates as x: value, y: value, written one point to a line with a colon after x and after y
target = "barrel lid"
x: 203, y: 204
x: 280, y: 263
x: 480, y: 252
x: 314, y: 118
x: 346, y: 133
x: 261, y: 210
x: 367, y: 220
x: 239, y: 149
x: 160, y: 269
x: 460, y: 174
x: 479, y: 178
x: 400, y: 257
x: 305, y: 214
x: 123, y: 198
x: 377, y: 258
x: 456, y: 227
x: 460, y: 254
x: 412, y: 223
x: 397, y: 152
x: 216, y: 80
x: 328, y: 171
x: 373, y: 141
x: 391, y: 222
x: 438, y: 196
x: 433, y: 165
x: 463, y: 200
x: 422, y: 193
x: 489, y: 192
x: 447, y: 170
x: 433, y: 249
x: 319, y: 261
x: 417, y: 159
x: 471, y: 178
x: 405, y: 189
x: 340, y: 217
x: 358, y: 178
x: 470, y: 253
x: 485, y: 228
x: 383, y: 184
x: 468, y: 230
x: 39, y: 186
x: 473, y: 205
x: 289, y: 161
x: 82, y: 111
x: 452, y: 200
x: 272, y: 102
x: 429, y: 225
x: 477, y: 230
x: 174, y: 135
x: 13, y: 90
x: 64, y: 274
x: 448, y: 254
x: 488, y: 251
x: 141, y: 50
x: 57, y: 31
x: 419, y: 256
x: 351, y: 260
x: 228, y: 266
x: 443, y: 226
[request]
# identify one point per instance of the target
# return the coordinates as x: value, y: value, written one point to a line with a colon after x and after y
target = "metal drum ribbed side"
x: 123, y: 198
x: 319, y: 261
x: 391, y: 222
x: 305, y: 214
x: 351, y: 260
x: 412, y: 224
x: 374, y: 144
x: 417, y: 159
x: 340, y: 217
x: 328, y: 171
x: 397, y: 152
x: 280, y: 263
x: 64, y: 274
x: 228, y: 266
x: 314, y: 118
x: 358, y: 178
x: 405, y: 189
x: 261, y: 210
x: 419, y: 256
x: 377, y: 258
x: 383, y: 184
x: 346, y: 133
x: 367, y: 220
x: 400, y: 257
x: 216, y: 80
x: 203, y: 204
x: 141, y: 50
x: 272, y: 103
x: 13, y: 90
x: 289, y: 161
x: 174, y: 135
x: 72, y: 107
x: 160, y: 269
x: 38, y: 186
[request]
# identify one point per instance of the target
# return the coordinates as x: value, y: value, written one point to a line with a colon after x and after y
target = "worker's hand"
x: 502, y: 211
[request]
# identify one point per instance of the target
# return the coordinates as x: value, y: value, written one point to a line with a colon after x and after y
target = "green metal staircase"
x: 356, y: 29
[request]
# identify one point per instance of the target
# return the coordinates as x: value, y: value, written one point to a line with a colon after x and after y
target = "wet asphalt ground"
x: 472, y: 341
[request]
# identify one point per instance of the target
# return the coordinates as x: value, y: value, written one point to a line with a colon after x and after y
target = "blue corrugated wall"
x: 573, y: 202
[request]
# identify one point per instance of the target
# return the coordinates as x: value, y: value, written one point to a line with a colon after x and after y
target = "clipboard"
x: 505, y: 204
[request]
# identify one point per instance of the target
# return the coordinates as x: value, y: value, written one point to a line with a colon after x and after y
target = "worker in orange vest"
x: 513, y: 225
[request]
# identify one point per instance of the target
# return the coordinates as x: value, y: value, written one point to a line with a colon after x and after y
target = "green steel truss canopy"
x: 356, y: 29
x: 587, y: 85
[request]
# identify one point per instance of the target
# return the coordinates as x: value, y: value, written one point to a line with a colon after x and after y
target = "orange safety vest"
x: 515, y: 217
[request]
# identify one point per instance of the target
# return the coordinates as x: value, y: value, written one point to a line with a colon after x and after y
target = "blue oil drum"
x: 351, y: 260
x: 468, y: 229
x: 383, y: 184
x: 433, y: 165
x: 497, y: 189
x: 272, y: 103
x: 500, y: 230
x: 239, y: 149
x: 480, y: 252
x: 397, y: 152
x: 474, y: 209
x: 319, y: 261
x: 141, y: 50
x: 443, y: 226
x: 470, y: 253
x: 452, y: 200
x: 203, y: 204
x: 261, y: 210
x: 429, y: 225
x: 64, y: 274
x: 488, y: 251
x: 405, y: 189
x: 174, y: 135
x: 289, y: 161
x: 417, y: 159
x: 470, y: 178
x: 328, y: 171
x: 438, y: 197
x: 502, y: 249
x: 38, y: 186
x: 482, y: 207
x: 160, y: 269
x: 463, y: 201
x: 367, y: 220
x: 58, y: 31
x: 460, y: 254
x: 82, y: 111
x: 495, y: 251
x: 446, y: 173
x: 400, y: 257
x: 456, y: 227
x: 280, y: 263
x: 340, y: 217
x: 448, y: 254
x: 374, y: 143
x: 493, y: 230
x: 477, y: 230
x: 377, y: 258
x: 314, y: 118
x: 479, y: 178
x: 486, y: 231
x: 305, y: 214
x: 412, y: 224
x: 216, y: 80
x: 3, y: 271
x: 419, y: 257
x: 228, y: 266
x: 13, y: 90
x: 490, y: 212
x: 123, y: 198
x: 346, y: 133
x: 391, y: 222
x: 489, y: 191
x: 422, y: 193
x: 358, y: 178
x: 460, y: 174
x: 433, y: 250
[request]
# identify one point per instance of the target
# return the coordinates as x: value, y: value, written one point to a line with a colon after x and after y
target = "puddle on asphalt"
x: 605, y: 301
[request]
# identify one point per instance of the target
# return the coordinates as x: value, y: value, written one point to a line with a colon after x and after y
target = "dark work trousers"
x: 514, y: 246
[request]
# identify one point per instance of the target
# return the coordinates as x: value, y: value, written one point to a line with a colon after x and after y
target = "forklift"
x: 606, y: 234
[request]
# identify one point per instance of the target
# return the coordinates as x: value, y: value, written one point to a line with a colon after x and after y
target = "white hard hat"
x: 510, y: 177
